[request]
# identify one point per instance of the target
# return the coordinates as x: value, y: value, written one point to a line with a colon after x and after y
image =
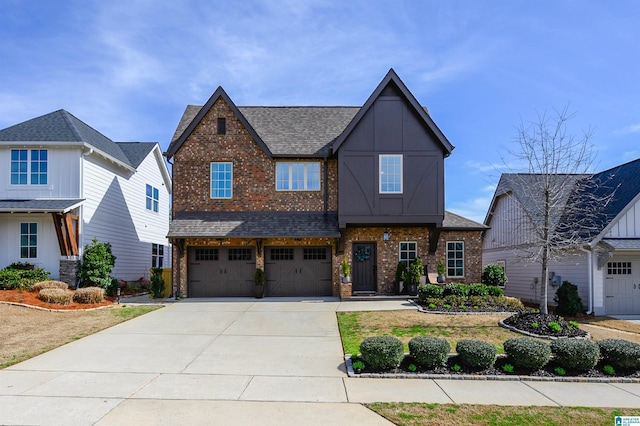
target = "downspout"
x: 589, y: 277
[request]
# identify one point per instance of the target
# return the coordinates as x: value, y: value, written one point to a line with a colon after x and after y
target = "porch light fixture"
x: 385, y: 236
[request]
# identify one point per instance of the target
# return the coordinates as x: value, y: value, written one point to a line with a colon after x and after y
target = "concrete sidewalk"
x: 242, y: 361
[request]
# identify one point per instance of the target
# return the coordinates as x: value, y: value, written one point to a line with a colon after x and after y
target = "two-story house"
x: 606, y: 268
x: 63, y: 183
x: 295, y: 189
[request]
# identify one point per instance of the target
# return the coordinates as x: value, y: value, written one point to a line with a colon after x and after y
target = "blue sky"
x: 129, y: 68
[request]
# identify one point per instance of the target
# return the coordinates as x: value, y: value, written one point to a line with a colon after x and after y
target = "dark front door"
x: 363, y: 267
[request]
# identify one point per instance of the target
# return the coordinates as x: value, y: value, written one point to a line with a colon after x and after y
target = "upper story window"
x: 221, y: 180
x: 455, y: 259
x: 28, y: 240
x: 391, y: 173
x: 222, y: 126
x: 297, y: 176
x: 26, y: 170
x: 153, y: 198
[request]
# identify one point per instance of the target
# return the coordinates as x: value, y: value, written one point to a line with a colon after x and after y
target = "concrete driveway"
x: 199, y: 361
x: 243, y: 361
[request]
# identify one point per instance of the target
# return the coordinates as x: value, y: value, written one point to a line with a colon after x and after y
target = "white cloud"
x: 632, y: 128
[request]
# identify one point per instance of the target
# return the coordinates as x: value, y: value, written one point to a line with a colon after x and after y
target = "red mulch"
x: 30, y: 298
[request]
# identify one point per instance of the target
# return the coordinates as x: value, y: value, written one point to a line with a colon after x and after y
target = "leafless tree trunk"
x: 555, y: 188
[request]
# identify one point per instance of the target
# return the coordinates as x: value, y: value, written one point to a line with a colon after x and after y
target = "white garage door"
x: 622, y: 287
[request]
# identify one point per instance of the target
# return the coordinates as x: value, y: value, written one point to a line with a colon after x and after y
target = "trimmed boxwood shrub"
x: 57, y: 296
x: 493, y: 275
x: 382, y: 352
x: 526, y: 352
x: 620, y: 353
x: 478, y: 290
x: 429, y: 352
x: 476, y: 353
x: 428, y: 291
x: 575, y: 354
x: 89, y: 295
x: 455, y: 289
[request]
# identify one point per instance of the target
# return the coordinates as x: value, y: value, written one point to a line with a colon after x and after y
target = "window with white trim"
x: 407, y: 252
x: 297, y: 176
x: 152, y: 198
x: 157, y: 255
x: 35, y: 167
x: 390, y: 174
x: 455, y: 259
x: 28, y: 240
x: 222, y: 180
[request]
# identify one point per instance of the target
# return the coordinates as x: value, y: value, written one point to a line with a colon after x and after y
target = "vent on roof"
x: 222, y: 126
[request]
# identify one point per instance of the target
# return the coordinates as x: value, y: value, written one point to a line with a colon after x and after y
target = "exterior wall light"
x: 385, y: 236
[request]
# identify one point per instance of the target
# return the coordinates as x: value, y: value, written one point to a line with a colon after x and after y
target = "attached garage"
x: 221, y: 271
x: 622, y: 287
x: 298, y: 271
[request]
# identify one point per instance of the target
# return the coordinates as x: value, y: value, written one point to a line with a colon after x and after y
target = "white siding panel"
x: 115, y: 212
x: 63, y: 175
x: 628, y: 225
x: 48, y: 249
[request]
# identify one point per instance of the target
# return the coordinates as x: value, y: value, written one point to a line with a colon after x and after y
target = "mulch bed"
x: 541, y: 325
x: 25, y: 297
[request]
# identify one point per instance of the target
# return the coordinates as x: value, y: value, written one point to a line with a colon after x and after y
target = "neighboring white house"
x: 606, y: 269
x: 63, y: 183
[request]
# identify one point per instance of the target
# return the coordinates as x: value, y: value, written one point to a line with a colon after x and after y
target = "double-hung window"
x: 152, y: 198
x: 29, y: 166
x: 221, y: 180
x: 390, y: 174
x: 28, y: 240
x: 298, y: 176
x: 455, y: 259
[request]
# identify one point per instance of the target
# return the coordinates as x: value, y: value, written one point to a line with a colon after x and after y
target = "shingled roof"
x: 60, y: 127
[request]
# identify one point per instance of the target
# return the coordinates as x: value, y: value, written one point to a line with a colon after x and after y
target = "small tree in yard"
x: 557, y: 192
x: 97, y: 263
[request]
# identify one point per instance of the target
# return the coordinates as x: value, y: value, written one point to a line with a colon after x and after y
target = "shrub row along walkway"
x: 242, y: 361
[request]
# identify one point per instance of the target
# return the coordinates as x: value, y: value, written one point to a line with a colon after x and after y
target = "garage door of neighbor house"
x: 298, y: 271
x: 221, y: 271
x: 622, y: 287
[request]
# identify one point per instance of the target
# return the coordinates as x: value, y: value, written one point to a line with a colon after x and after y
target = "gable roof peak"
x: 392, y: 78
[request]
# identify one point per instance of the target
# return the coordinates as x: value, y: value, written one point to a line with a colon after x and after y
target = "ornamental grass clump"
x: 56, y: 296
x: 620, y: 353
x: 382, y: 352
x: 526, y: 352
x: 476, y: 353
x: 89, y: 295
x: 429, y: 352
x: 48, y: 284
x: 581, y: 355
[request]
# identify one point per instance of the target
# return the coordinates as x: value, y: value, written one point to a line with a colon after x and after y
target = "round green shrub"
x: 576, y: 354
x: 429, y: 291
x: 495, y: 291
x: 478, y: 290
x: 494, y: 275
x: 526, y: 352
x: 429, y: 352
x: 476, y: 353
x: 382, y: 352
x: 456, y: 289
x: 620, y: 353
x: 568, y: 300
x: 97, y: 263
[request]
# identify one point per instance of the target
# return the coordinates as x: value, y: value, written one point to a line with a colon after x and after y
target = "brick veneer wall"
x: 253, y: 171
x: 387, y: 251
